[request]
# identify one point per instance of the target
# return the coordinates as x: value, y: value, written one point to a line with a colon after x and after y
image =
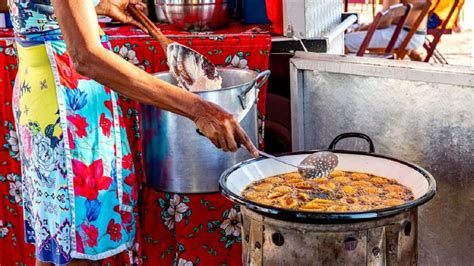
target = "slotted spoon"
x: 316, y: 165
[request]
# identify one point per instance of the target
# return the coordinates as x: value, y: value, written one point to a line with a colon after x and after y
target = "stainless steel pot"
x: 179, y: 160
x: 197, y: 15
x: 275, y: 236
x: 160, y: 15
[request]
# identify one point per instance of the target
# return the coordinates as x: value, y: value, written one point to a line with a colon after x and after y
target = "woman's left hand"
x: 117, y: 10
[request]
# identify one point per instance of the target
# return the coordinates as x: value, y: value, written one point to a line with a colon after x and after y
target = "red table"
x: 181, y: 229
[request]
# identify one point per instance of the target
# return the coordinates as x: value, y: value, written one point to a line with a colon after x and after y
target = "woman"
x: 384, y: 33
x: 79, y: 185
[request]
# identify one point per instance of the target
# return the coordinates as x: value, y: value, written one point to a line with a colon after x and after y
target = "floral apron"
x: 79, y: 186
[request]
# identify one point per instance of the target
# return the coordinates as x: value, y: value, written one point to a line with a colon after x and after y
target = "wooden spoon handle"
x: 153, y: 30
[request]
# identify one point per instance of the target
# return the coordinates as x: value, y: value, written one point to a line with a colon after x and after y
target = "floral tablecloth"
x: 174, y: 229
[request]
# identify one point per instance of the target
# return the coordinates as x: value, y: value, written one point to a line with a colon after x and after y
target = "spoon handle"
x: 264, y: 154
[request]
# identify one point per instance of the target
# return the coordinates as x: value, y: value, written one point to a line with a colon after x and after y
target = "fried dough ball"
x: 313, y: 207
x: 303, y: 196
x: 294, y: 181
x: 372, y: 190
x: 253, y: 195
x: 350, y: 200
x: 288, y: 203
x: 283, y: 189
x: 327, y: 187
x: 395, y: 195
x: 393, y: 202
x: 359, y: 207
x: 359, y: 176
x: 275, y: 195
x: 263, y: 187
x: 370, y: 199
x: 273, y: 179
x: 378, y: 180
x: 321, y: 201
x: 337, y: 208
x: 341, y: 179
x: 321, y: 180
x: 294, y: 175
x: 393, y: 188
x: 349, y: 190
x: 303, y: 185
x: 361, y: 184
x: 337, y: 173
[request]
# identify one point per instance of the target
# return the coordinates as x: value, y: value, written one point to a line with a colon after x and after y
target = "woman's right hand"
x: 222, y: 129
x: 117, y: 10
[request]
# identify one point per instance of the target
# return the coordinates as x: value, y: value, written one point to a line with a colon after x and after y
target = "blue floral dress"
x: 78, y: 181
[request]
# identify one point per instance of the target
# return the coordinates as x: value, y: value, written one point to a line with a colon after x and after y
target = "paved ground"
x: 456, y: 48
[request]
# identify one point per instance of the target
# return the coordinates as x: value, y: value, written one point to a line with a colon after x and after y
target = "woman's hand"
x: 222, y: 128
x: 117, y: 10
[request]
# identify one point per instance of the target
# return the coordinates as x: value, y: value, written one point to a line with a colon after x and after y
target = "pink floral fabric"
x: 156, y: 244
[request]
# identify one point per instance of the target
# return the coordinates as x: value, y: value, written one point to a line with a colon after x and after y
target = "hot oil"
x: 342, y: 191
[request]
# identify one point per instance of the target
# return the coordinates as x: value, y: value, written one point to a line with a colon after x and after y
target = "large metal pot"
x: 197, y: 15
x: 179, y: 160
x: 377, y: 237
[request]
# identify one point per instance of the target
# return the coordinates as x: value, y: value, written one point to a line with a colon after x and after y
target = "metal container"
x: 197, y: 15
x: 179, y: 160
x: 417, y: 111
x: 275, y: 236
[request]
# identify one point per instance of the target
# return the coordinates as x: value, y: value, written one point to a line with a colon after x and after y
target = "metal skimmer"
x: 316, y: 165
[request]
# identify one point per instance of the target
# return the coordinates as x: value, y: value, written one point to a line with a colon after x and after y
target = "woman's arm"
x: 78, y: 23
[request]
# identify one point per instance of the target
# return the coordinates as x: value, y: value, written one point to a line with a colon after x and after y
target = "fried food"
x: 340, y: 192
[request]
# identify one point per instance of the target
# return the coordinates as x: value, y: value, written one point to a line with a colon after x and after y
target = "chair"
x: 430, y: 45
x: 401, y: 51
x: 400, y: 11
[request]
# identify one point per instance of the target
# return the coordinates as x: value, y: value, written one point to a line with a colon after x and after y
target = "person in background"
x: 384, y: 33
x: 78, y: 180
x: 441, y: 13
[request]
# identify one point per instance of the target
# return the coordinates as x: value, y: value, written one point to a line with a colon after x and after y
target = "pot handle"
x: 258, y: 82
x: 332, y: 146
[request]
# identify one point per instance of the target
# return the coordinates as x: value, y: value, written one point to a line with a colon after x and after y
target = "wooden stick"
x: 153, y: 30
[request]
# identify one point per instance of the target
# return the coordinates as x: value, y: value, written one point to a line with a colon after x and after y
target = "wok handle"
x: 258, y: 82
x: 332, y: 146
